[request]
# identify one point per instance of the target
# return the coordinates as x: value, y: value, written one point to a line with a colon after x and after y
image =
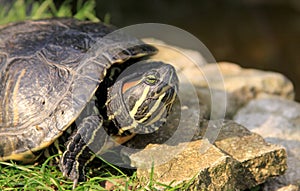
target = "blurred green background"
x: 263, y: 34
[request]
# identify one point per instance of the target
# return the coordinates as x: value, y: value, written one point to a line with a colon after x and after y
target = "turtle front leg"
x: 89, y: 138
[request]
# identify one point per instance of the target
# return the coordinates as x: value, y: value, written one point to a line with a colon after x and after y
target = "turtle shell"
x: 49, y: 70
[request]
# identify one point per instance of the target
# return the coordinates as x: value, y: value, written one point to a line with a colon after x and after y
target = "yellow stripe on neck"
x: 153, y: 109
x: 139, y: 102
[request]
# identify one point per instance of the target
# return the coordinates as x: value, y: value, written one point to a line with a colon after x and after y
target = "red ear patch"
x: 128, y: 85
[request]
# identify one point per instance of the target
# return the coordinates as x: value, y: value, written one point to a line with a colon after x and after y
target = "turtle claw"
x: 72, y: 169
x: 75, y: 182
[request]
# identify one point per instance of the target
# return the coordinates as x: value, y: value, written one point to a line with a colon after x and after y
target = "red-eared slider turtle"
x: 59, y: 73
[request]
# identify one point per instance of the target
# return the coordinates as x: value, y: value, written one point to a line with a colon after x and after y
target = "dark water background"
x: 263, y: 34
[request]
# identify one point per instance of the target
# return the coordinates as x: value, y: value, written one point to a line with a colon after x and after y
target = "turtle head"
x: 142, y: 97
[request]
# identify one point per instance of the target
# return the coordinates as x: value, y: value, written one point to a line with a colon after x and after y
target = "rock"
x: 250, y: 83
x: 254, y: 83
x: 211, y: 170
x: 222, y: 84
x: 260, y: 159
x: 239, y: 159
x: 182, y: 59
x: 179, y: 57
x: 278, y: 121
x: 271, y: 187
x: 219, y: 90
x: 242, y: 85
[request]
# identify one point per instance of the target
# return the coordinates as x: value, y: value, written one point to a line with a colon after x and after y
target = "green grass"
x: 30, y: 9
x: 48, y: 177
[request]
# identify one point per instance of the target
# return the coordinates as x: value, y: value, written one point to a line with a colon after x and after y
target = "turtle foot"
x: 78, y: 154
x: 72, y: 169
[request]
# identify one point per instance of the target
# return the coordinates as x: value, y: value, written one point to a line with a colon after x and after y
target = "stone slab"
x: 278, y: 122
x: 239, y: 160
x: 259, y: 159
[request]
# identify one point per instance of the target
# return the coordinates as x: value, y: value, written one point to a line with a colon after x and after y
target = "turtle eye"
x: 152, y: 79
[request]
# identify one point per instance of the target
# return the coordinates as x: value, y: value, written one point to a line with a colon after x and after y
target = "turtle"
x: 61, y: 73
